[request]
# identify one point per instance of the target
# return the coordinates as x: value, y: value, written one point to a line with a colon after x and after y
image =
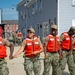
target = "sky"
x: 7, y: 12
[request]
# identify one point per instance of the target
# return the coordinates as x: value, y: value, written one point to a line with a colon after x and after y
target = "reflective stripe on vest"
x: 31, y: 46
x: 53, y: 44
x: 67, y: 42
x: 2, y: 49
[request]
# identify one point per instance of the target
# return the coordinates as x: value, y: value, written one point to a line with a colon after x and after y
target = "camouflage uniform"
x: 67, y: 58
x: 19, y: 38
x: 53, y: 58
x: 32, y: 64
x: 3, y: 64
x: 73, y: 48
x: 14, y: 35
x: 7, y: 36
x: 31, y: 61
x: 73, y: 55
x: 3, y: 67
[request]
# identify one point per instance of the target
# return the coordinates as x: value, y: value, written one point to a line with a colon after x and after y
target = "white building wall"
x: 66, y: 13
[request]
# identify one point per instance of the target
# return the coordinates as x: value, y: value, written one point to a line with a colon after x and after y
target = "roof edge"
x: 21, y: 3
x: 29, y: 3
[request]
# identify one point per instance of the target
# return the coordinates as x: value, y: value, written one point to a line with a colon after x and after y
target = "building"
x: 66, y: 15
x: 41, y: 14
x: 10, y: 26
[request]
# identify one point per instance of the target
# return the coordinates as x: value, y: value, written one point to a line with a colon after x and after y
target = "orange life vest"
x: 19, y: 34
x: 2, y: 49
x: 67, y: 42
x: 53, y: 44
x: 1, y: 32
x: 31, y: 46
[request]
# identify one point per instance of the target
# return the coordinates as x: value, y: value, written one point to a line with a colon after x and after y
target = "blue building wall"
x: 48, y: 11
x: 22, y: 22
x: 66, y: 15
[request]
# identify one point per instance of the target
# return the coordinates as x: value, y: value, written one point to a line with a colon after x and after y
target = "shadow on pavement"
x: 65, y: 73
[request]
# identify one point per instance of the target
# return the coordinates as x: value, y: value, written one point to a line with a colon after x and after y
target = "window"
x: 45, y: 29
x: 73, y: 2
x: 33, y: 9
x: 40, y: 5
x: 52, y: 22
x: 27, y: 2
x: 29, y: 12
x: 36, y: 5
x: 23, y: 14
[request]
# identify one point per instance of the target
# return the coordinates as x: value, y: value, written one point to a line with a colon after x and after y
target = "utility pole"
x: 1, y: 16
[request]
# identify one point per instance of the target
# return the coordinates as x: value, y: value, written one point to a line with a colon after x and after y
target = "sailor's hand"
x: 61, y: 56
x: 46, y: 56
x: 11, y: 57
x: 15, y: 56
x: 35, y: 53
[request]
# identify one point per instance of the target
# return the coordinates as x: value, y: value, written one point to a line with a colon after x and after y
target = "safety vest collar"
x: 52, y: 35
x: 33, y: 38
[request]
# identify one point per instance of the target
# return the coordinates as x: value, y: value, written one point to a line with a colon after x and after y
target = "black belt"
x: 66, y: 50
x: 1, y: 59
x: 52, y: 52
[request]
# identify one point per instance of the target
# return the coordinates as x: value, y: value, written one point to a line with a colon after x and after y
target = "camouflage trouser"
x: 53, y: 59
x: 32, y: 65
x: 19, y: 40
x: 73, y: 55
x: 3, y: 67
x: 14, y: 40
x: 69, y: 60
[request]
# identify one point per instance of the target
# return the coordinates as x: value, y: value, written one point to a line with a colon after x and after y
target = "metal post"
x: 1, y: 15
